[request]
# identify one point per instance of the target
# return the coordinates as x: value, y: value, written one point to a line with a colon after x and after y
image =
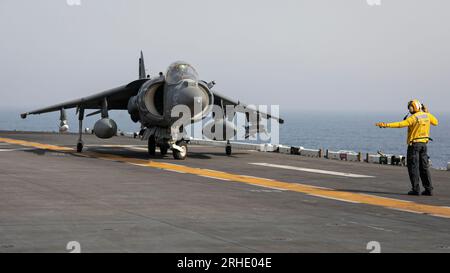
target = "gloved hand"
x: 381, y: 124
x: 424, y: 108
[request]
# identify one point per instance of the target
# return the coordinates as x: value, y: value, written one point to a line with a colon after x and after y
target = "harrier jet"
x: 150, y: 102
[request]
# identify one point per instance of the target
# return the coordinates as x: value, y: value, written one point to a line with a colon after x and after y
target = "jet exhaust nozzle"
x: 105, y: 128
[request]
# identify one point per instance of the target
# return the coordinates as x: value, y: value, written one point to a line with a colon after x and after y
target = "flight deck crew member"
x: 418, y: 136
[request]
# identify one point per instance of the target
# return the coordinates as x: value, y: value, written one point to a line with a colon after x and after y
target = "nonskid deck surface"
x: 114, y: 198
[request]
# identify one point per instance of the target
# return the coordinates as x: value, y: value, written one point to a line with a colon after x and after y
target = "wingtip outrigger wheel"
x: 79, y: 147
x: 228, y: 148
x: 80, y: 130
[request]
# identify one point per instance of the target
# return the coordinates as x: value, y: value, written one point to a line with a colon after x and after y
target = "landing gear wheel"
x: 228, y: 150
x: 79, y: 147
x: 163, y: 150
x: 180, y: 155
x: 151, y: 145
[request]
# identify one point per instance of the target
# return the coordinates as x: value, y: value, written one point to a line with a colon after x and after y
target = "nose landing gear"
x: 180, y: 150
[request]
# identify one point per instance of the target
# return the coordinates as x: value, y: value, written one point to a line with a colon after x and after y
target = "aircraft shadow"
x: 145, y: 156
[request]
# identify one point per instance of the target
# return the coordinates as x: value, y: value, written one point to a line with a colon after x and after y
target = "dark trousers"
x: 418, y: 166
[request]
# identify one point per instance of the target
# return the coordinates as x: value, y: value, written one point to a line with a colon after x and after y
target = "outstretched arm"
x: 399, y: 124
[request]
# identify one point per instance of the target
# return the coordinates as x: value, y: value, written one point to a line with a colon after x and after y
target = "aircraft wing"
x: 117, y: 99
x: 223, y: 100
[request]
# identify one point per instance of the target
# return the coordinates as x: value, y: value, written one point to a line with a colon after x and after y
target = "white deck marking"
x: 176, y: 171
x: 334, y: 198
x: 266, y: 191
x: 352, y: 175
x: 407, y: 210
x: 268, y: 187
x: 372, y: 227
x: 213, y: 177
x: 317, y: 187
x: 17, y: 149
x: 387, y: 198
x: 251, y: 176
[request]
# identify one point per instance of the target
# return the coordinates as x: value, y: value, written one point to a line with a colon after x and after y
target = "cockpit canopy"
x: 179, y: 71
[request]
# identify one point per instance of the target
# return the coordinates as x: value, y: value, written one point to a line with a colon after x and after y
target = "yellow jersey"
x: 418, y: 126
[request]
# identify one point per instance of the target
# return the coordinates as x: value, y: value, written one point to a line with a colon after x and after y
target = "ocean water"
x: 327, y: 130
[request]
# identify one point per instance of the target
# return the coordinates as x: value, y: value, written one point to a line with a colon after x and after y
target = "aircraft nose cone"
x: 193, y: 97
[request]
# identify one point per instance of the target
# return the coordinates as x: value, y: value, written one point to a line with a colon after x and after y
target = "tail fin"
x: 142, y: 67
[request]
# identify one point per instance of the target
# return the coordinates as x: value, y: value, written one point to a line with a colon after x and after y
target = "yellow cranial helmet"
x: 415, y: 105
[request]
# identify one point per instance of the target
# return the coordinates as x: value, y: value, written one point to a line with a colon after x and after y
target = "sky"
x: 311, y: 55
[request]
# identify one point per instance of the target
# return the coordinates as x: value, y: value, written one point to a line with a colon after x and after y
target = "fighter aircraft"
x: 150, y: 101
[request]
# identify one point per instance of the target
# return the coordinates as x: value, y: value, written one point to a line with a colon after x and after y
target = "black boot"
x: 427, y: 193
x: 413, y: 192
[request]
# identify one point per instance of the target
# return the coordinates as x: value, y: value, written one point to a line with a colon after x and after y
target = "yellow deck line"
x: 397, y: 204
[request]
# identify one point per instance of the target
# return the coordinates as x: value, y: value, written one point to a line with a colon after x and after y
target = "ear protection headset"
x: 414, y: 106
